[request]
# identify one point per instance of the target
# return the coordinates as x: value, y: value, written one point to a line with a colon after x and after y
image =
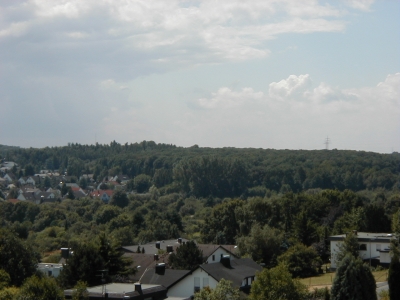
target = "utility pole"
x: 327, y: 141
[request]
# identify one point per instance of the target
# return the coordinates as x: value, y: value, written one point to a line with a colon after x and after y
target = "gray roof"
x: 168, y: 279
x: 150, y: 248
x: 240, y: 269
x: 121, y: 290
x: 209, y: 249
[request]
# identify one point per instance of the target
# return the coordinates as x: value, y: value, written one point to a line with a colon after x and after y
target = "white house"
x: 184, y: 283
x: 213, y: 253
x: 50, y: 269
x: 372, y: 247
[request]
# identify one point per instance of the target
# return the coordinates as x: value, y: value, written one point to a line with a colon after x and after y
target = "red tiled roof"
x: 13, y: 201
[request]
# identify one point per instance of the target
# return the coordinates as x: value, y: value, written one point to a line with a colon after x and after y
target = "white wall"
x: 54, y: 269
x: 185, y: 287
x: 217, y: 255
x: 385, y: 258
x: 371, y: 250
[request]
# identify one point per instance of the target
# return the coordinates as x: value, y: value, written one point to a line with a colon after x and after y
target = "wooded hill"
x: 218, y: 172
x: 275, y: 205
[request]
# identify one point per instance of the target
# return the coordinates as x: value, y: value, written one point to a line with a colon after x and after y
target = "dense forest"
x: 273, y: 204
x: 218, y: 172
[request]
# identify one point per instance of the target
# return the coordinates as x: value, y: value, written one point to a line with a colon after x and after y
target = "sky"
x: 279, y: 74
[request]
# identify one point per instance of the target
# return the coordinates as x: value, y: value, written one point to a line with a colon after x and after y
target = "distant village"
x: 47, y: 186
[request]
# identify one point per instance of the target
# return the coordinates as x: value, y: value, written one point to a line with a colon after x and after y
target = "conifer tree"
x: 394, y: 272
x: 353, y: 280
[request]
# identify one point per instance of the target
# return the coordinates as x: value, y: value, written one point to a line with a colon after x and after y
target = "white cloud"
x: 365, y: 115
x: 14, y: 29
x: 179, y: 32
x: 293, y: 86
x: 77, y: 35
x: 226, y: 98
x: 63, y: 8
x: 363, y: 5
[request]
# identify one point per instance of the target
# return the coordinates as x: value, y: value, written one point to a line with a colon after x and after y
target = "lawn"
x: 327, y: 278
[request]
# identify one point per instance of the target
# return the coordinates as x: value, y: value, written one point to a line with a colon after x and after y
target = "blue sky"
x: 267, y: 74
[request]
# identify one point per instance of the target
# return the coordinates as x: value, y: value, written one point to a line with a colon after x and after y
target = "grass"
x: 327, y: 278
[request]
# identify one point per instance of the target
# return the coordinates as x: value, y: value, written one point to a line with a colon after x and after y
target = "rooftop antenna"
x: 327, y: 141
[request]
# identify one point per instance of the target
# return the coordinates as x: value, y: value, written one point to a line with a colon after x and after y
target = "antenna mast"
x: 327, y: 141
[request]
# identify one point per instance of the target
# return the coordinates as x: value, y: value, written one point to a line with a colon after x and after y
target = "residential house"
x: 104, y: 195
x: 10, y: 177
x: 22, y: 180
x: 33, y: 180
x: 373, y: 247
x: 50, y: 269
x: 212, y: 253
x: 120, y: 178
x: 38, y: 197
x: 158, y: 252
x: 184, y: 283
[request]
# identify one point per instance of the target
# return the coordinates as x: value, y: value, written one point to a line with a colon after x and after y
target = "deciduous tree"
x: 223, y: 291
x: 277, y: 284
x: 187, y: 256
x: 16, y: 258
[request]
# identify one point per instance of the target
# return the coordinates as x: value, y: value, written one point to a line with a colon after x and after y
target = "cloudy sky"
x: 283, y: 74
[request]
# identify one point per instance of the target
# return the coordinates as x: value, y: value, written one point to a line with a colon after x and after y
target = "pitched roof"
x: 99, y: 193
x: 150, y: 248
x: 239, y: 269
x: 168, y: 279
x: 13, y: 201
x: 122, y: 290
x: 209, y: 249
x: 141, y: 261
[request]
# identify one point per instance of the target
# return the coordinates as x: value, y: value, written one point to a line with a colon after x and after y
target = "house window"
x: 213, y: 257
x: 244, y: 282
x: 378, y: 247
x: 205, y: 282
x: 363, y: 247
x: 49, y: 273
x: 196, y: 284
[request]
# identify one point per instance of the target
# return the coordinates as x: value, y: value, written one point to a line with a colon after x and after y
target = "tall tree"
x: 187, y: 257
x: 348, y: 246
x: 277, y: 284
x: 16, y: 257
x: 353, y: 280
x: 263, y: 244
x: 120, y: 199
x: 301, y: 261
x: 394, y: 271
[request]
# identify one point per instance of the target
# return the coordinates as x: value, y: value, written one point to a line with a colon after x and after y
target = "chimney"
x: 180, y: 240
x: 138, y: 287
x: 65, y: 253
x: 158, y: 245
x: 160, y: 268
x: 226, y: 261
